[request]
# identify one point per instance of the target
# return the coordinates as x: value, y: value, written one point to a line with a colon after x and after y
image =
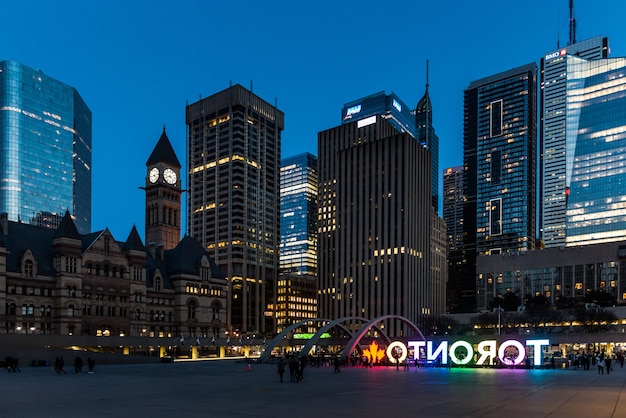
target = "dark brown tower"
x: 163, y: 192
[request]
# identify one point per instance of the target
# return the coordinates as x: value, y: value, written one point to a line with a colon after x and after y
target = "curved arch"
x: 279, y: 337
x: 357, y: 337
x: 337, y: 322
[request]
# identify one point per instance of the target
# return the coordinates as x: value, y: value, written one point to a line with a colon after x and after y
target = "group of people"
x: 59, y: 365
x: 12, y: 364
x: 602, y: 360
x: 296, y: 368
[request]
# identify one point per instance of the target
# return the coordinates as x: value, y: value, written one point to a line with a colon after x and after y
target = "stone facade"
x: 60, y: 282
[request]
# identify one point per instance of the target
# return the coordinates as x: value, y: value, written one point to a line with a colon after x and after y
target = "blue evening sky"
x: 137, y: 63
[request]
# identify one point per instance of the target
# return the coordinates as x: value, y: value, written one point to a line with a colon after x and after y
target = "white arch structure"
x: 354, y: 341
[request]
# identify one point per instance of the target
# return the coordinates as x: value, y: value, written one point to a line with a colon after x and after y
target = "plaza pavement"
x: 228, y: 389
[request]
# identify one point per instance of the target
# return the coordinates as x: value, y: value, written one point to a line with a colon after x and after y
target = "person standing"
x: 607, y: 363
x: 281, y: 369
x: 91, y: 363
x: 78, y: 365
x: 601, y: 364
x: 336, y: 363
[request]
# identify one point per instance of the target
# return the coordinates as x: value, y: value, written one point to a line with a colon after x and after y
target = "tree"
x: 601, y: 298
x: 509, y: 302
x: 539, y: 314
x: 596, y: 320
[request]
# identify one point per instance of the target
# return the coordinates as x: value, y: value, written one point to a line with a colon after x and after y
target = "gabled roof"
x: 67, y: 228
x: 133, y: 242
x: 163, y: 153
x: 21, y: 237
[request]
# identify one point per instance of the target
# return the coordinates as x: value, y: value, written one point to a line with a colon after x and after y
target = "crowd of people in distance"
x: 602, y: 360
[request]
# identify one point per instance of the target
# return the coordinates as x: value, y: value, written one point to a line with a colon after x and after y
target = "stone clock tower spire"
x: 163, y: 195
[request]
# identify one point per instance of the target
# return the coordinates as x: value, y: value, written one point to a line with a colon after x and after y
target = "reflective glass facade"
x: 596, y: 150
x: 45, y: 149
x: 499, y: 155
x: 389, y: 107
x: 552, y: 205
x: 298, y: 215
x: 425, y: 134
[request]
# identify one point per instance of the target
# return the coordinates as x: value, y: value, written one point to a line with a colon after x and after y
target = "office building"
x: 374, y: 224
x: 389, y: 106
x: 297, y: 283
x: 233, y: 161
x: 499, y: 140
x: 425, y: 134
x: 553, y: 138
x: 596, y: 151
x: 45, y: 143
x: 499, y: 156
x: 453, y: 203
x: 561, y: 275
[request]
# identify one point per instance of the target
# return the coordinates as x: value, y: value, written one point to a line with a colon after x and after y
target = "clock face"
x: 154, y: 175
x: 170, y: 176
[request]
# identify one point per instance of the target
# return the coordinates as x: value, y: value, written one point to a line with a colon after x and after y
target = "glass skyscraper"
x: 499, y: 156
x: 296, y: 297
x: 552, y: 206
x: 45, y: 149
x: 298, y: 215
x: 596, y: 150
x: 425, y: 134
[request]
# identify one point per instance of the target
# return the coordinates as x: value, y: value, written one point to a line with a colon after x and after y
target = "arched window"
x: 31, y: 309
x: 24, y: 310
x: 89, y: 268
x: 105, y: 273
x: 157, y: 284
x: 11, y: 310
x: 70, y: 311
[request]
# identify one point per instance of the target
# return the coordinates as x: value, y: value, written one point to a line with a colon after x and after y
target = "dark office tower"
x: 297, y: 282
x: 453, y: 201
x: 553, y: 136
x: 374, y: 223
x: 233, y: 158
x: 453, y: 206
x: 389, y: 106
x: 499, y: 140
x: 425, y: 134
x: 163, y: 192
x: 45, y: 149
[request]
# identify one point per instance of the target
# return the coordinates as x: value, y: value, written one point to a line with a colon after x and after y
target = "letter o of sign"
x: 392, y: 347
x: 469, y: 349
x: 512, y: 343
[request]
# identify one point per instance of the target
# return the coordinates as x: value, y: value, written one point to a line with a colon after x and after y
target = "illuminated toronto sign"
x: 510, y: 352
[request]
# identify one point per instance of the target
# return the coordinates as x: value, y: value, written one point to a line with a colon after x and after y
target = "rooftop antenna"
x: 572, y: 24
x: 558, y: 32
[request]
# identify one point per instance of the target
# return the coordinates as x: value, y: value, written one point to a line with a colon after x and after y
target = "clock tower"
x: 163, y: 195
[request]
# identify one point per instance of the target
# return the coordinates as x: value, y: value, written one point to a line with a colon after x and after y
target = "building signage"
x: 510, y: 352
x: 556, y: 54
x: 353, y: 110
x: 397, y: 105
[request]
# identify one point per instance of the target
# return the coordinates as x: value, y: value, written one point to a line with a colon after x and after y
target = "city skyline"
x: 136, y: 75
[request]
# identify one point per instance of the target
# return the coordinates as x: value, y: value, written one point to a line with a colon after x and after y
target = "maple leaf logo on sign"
x: 374, y: 353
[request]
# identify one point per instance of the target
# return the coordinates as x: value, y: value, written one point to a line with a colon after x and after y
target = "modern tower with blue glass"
x: 45, y: 149
x: 296, y: 297
x: 596, y: 151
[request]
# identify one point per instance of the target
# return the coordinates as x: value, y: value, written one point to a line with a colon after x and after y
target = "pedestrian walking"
x: 91, y: 363
x: 336, y: 363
